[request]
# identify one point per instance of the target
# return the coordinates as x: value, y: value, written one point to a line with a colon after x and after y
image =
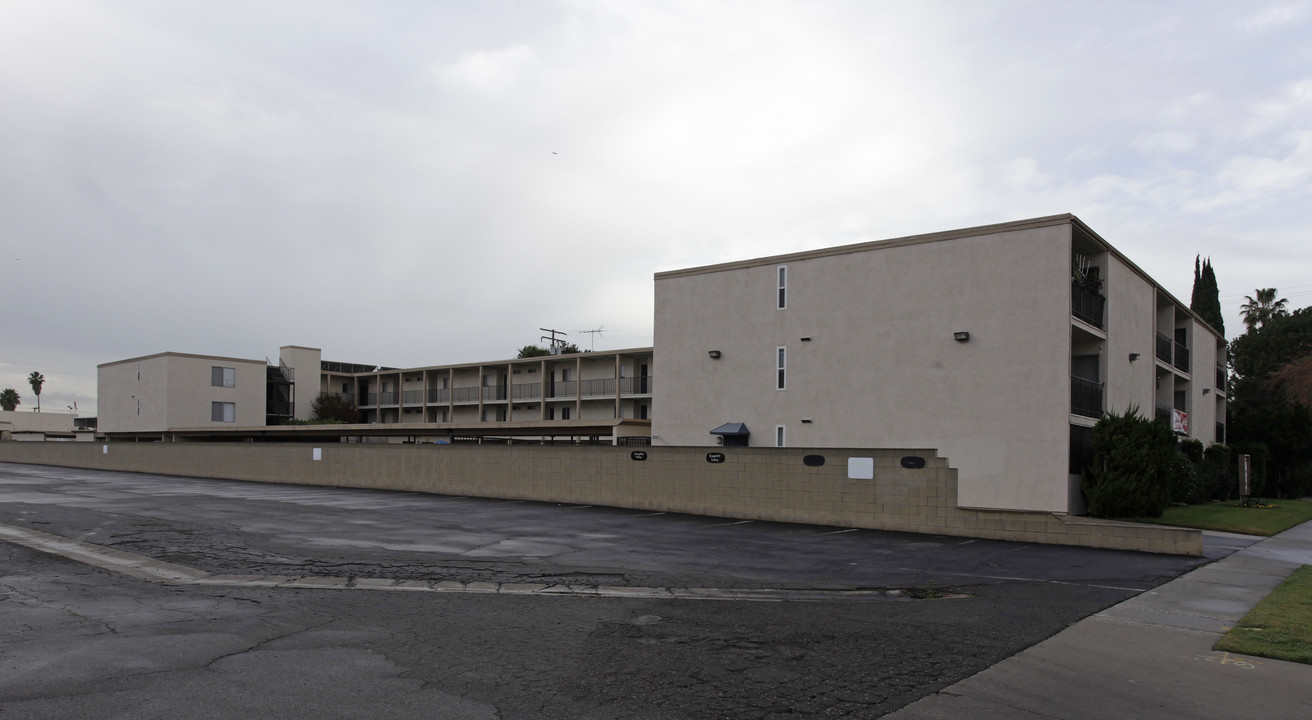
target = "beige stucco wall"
x: 36, y: 422
x: 306, y: 365
x: 174, y: 390
x: 1131, y: 328
x: 881, y: 367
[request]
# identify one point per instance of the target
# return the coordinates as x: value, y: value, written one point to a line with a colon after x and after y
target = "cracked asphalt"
x: 78, y: 641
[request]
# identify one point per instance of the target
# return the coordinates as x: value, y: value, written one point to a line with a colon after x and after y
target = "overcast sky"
x: 421, y: 182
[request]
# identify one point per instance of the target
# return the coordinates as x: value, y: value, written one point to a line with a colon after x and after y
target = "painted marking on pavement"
x: 1225, y: 658
x: 145, y: 568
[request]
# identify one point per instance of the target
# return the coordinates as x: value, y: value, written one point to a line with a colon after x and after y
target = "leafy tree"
x: 9, y: 399
x: 1296, y: 380
x: 569, y: 349
x: 1206, y: 299
x: 1258, y: 312
x: 1265, y: 408
x: 529, y: 351
x: 36, y: 380
x: 334, y: 407
x: 1133, y: 468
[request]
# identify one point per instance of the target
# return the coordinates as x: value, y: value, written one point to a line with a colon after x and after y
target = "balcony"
x: 438, y: 396
x: 465, y: 394
x: 1181, y: 357
x: 388, y: 398
x: 1220, y: 380
x: 635, y: 386
x: 494, y: 392
x: 1164, y: 345
x: 593, y: 388
x: 526, y: 391
x: 562, y: 389
x: 1088, y: 305
x: 369, y: 399
x: 1086, y: 397
x: 412, y: 397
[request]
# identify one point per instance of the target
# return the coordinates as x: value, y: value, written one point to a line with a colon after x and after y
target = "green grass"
x: 1229, y: 517
x: 1280, y: 626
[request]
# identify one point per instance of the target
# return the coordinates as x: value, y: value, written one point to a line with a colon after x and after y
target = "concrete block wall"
x: 751, y: 483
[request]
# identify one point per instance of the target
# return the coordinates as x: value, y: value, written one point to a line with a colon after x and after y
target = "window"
x: 564, y: 413
x: 223, y: 411
x: 779, y: 436
x: 551, y: 413
x: 783, y: 286
x: 223, y: 377
x: 781, y: 367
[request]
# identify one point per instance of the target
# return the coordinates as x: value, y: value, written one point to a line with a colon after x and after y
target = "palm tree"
x: 36, y: 380
x: 9, y: 399
x: 1260, y: 311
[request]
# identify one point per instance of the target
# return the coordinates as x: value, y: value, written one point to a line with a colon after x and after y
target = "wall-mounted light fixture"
x: 806, y: 421
x: 715, y: 354
x: 961, y: 336
x: 1134, y: 356
x: 1207, y: 390
x: 806, y: 339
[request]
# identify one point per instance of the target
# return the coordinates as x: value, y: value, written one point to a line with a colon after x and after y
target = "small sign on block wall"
x: 861, y: 468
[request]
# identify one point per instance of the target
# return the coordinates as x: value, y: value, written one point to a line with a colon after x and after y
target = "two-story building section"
x: 999, y: 346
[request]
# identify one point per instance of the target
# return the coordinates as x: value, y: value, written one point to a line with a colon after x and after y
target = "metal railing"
x: 1181, y: 357
x: 388, y: 398
x: 1087, y: 305
x: 370, y: 398
x: 1164, y: 344
x: 1086, y: 397
x: 439, y: 395
x: 1220, y: 380
x: 1220, y: 433
x: 603, y: 386
x: 412, y: 397
x: 526, y: 391
x: 562, y: 389
x: 464, y: 394
x: 636, y: 386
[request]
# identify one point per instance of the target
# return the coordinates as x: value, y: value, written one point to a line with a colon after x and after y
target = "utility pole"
x: 556, y: 345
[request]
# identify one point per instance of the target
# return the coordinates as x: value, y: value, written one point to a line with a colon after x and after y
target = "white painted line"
x: 650, y: 514
x: 740, y: 522
x: 152, y: 570
x: 840, y: 532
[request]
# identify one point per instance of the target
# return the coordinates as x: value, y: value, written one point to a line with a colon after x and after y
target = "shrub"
x: 1132, y: 468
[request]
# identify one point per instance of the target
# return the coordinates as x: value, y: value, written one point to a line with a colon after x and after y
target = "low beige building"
x: 30, y: 425
x: 1000, y: 346
x: 579, y: 395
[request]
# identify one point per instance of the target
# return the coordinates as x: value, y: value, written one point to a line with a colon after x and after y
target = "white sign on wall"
x: 861, y: 468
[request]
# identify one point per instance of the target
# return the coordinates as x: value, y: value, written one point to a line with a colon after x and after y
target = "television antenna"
x: 592, y: 343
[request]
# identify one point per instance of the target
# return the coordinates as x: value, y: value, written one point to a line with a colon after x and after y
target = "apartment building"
x: 1000, y: 346
x: 585, y: 394
x: 166, y: 390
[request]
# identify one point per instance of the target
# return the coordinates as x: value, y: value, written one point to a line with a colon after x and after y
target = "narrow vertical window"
x: 781, y: 368
x: 779, y: 436
x: 783, y: 287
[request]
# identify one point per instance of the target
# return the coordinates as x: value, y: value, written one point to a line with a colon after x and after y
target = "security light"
x: 715, y: 354
x: 961, y: 336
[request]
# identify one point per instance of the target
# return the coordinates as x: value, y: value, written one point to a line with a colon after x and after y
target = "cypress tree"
x: 1206, y: 297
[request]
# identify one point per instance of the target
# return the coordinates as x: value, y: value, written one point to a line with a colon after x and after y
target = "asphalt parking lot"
x: 82, y: 641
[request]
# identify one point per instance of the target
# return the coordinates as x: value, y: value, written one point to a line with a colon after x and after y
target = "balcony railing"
x: 635, y: 386
x: 1181, y: 357
x: 1086, y: 397
x: 464, y: 394
x: 591, y: 388
x: 1164, y: 345
x: 494, y: 392
x: 438, y: 396
x: 412, y: 397
x: 1162, y: 413
x: 1220, y: 380
x: 562, y: 389
x: 1220, y: 433
x: 1087, y: 305
x: 388, y: 398
x: 370, y: 399
x: 526, y: 391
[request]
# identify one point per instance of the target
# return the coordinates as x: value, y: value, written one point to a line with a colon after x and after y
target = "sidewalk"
x: 1150, y: 656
